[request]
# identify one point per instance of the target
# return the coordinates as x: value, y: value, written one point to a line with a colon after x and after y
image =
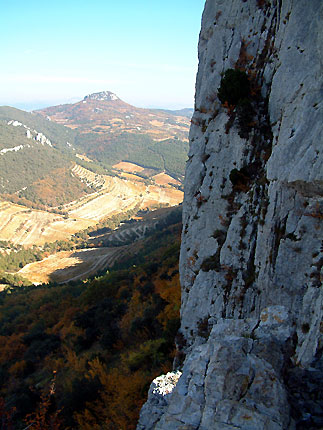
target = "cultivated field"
x: 123, y: 242
x: 34, y: 227
x: 67, y: 266
x: 164, y: 179
x: 28, y: 227
x: 128, y: 167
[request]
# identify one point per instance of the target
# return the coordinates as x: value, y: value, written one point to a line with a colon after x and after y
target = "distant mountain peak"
x: 102, y: 96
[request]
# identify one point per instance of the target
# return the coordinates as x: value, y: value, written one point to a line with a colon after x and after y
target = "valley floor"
x: 68, y: 266
x: 28, y: 227
x: 116, y: 197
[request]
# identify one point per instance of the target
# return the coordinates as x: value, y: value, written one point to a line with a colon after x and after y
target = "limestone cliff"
x: 250, y: 343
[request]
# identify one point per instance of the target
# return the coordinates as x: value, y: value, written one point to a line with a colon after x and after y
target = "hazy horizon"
x: 57, y: 53
x: 42, y: 104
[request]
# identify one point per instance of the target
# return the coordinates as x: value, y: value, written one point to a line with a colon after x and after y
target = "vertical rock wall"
x: 250, y: 343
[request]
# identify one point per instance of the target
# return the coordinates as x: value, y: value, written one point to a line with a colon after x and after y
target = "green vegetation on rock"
x: 234, y: 87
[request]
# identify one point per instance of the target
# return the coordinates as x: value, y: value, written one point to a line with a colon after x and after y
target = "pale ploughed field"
x: 28, y: 227
x: 114, y: 195
x: 71, y: 265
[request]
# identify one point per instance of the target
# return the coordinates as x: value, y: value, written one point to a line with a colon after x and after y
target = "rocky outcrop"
x: 250, y: 343
x: 106, y: 96
x: 38, y: 138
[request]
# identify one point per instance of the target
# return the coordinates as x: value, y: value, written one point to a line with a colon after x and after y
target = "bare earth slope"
x: 67, y: 266
x: 121, y: 243
x: 34, y: 227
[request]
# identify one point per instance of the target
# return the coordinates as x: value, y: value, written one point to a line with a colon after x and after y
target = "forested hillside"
x: 110, y: 130
x: 36, y: 158
x: 82, y: 355
x: 168, y: 155
x: 44, y: 152
x: 58, y: 135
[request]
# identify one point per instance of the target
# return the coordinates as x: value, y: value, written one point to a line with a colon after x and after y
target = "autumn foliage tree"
x: 6, y: 416
x: 46, y: 416
x: 107, y: 338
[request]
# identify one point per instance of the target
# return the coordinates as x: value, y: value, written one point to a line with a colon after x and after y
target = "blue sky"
x: 59, y: 51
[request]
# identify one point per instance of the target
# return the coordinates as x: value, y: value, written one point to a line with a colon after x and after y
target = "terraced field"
x: 114, y: 195
x: 125, y: 241
x: 33, y: 227
x: 128, y: 170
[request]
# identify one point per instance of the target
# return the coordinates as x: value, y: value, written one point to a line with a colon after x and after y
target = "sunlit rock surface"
x: 251, y: 256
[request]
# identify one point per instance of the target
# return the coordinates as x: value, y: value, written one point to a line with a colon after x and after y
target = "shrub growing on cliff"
x: 245, y: 113
x: 235, y: 93
x: 234, y: 87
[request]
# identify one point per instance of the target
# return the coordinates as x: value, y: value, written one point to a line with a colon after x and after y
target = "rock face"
x: 250, y: 343
x: 107, y: 96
